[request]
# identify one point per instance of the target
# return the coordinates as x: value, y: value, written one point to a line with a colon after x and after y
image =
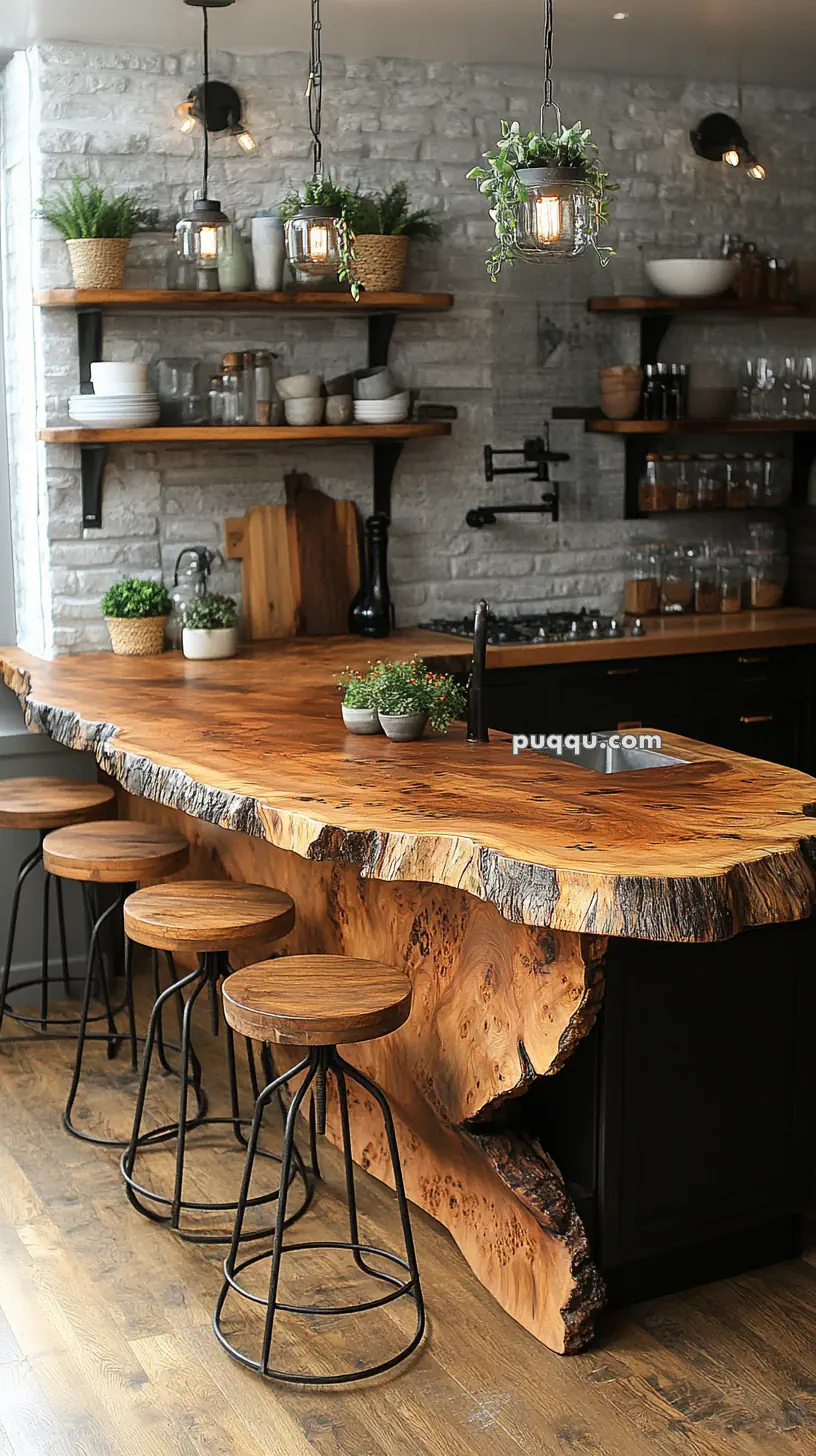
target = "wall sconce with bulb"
x: 220, y: 110
x: 719, y: 138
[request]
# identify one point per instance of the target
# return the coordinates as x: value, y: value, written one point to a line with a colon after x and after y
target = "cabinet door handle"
x: 622, y: 671
x: 752, y: 661
x: 758, y: 718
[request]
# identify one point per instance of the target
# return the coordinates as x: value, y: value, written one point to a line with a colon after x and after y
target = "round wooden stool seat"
x: 316, y: 1000
x: 114, y: 852
x: 207, y: 915
x: 46, y: 803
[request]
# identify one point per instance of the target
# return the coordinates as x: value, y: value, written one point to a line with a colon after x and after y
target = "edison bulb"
x: 246, y: 141
x: 548, y: 219
x: 208, y: 246
x: 188, y: 124
x: 731, y: 157
x: 757, y: 171
x: 319, y: 243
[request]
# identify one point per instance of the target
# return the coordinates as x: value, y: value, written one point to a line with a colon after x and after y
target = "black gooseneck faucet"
x: 476, y: 719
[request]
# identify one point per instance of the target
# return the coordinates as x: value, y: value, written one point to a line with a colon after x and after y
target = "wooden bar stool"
x: 317, y: 1001
x: 210, y: 918
x: 120, y: 854
x: 43, y: 804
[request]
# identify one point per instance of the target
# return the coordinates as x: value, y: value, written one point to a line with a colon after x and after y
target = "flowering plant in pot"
x: 136, y: 614
x: 210, y: 628
x: 97, y: 230
x: 359, y: 707
x: 408, y: 696
x: 548, y: 195
x: 383, y: 225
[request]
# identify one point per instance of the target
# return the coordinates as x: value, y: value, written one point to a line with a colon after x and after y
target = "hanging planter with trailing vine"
x: 548, y: 192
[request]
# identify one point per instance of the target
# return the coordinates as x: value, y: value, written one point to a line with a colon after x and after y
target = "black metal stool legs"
x: 170, y: 1208
x: 320, y: 1061
x: 44, y: 1023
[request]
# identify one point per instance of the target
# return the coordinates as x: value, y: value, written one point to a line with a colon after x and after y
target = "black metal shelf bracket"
x: 380, y: 329
x: 386, y: 459
x: 89, y: 339
x: 93, y: 459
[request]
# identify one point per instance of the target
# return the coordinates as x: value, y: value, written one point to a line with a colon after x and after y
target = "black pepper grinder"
x: 372, y: 614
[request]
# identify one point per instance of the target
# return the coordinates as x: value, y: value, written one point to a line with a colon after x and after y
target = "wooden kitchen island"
x: 509, y: 888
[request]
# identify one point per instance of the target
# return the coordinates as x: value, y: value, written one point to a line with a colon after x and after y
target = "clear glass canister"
x: 776, y: 481
x: 730, y: 575
x: 216, y: 400
x: 557, y: 218
x: 311, y: 243
x: 263, y: 388
x: 647, y: 486
x: 232, y: 379
x: 767, y: 577
x: 641, y: 591
x: 685, y: 495
x: 677, y: 582
x: 735, y: 486
x: 767, y: 536
x: 711, y: 493
x: 706, y: 584
x: 176, y: 383
x: 753, y: 475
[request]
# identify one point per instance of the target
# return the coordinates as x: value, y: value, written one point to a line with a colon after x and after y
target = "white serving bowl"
x: 119, y: 379
x: 383, y: 411
x: 692, y: 277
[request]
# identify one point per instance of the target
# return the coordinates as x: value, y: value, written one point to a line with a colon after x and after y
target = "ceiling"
x: 748, y: 40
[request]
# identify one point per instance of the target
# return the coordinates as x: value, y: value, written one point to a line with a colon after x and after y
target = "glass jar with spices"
x: 767, y: 578
x: 730, y: 576
x: 776, y: 481
x: 641, y: 590
x: 233, y: 389
x: 753, y: 476
x: 736, y: 497
x: 711, y: 495
x: 677, y: 582
x: 706, y: 584
x: 685, y: 490
x: 263, y: 388
x: 647, y: 485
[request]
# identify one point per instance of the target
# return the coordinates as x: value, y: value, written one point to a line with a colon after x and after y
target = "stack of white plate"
x: 383, y: 411
x: 113, y: 412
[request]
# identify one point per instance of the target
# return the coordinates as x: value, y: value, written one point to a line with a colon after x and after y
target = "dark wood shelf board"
x: 723, y: 303
x: 295, y: 301
x: 243, y: 434
x: 597, y: 424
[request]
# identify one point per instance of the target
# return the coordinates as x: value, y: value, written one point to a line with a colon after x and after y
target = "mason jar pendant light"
x: 202, y: 233
x: 558, y: 217
x: 311, y: 235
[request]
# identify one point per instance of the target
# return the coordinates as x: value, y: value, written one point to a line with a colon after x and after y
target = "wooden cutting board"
x: 300, y: 563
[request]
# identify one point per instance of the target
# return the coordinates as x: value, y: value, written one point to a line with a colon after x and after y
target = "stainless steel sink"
x: 604, y: 759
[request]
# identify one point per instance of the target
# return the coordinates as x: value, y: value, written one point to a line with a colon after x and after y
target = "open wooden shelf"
x: 293, y: 301
x: 242, y: 434
x: 726, y: 303
x: 597, y: 424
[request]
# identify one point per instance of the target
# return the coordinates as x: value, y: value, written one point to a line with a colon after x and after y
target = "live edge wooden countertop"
x: 256, y: 744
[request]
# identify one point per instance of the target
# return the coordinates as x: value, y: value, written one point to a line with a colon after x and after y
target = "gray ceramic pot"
x: 339, y: 409
x: 373, y: 383
x: 403, y: 727
x: 361, y: 720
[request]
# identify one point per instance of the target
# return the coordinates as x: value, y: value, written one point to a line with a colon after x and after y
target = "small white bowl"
x: 304, y: 412
x: 692, y: 277
x: 119, y: 379
x: 300, y: 386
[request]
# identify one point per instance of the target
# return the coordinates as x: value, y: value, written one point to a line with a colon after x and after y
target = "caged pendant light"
x: 312, y: 242
x: 557, y: 219
x: 202, y: 233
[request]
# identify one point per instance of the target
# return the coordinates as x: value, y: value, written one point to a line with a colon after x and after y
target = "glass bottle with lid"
x: 776, y: 481
x: 730, y: 578
x: 216, y: 400
x: 677, y: 582
x: 736, y: 492
x: 706, y: 588
x: 641, y: 591
x: 233, y: 387
x: 767, y: 577
x: 263, y: 387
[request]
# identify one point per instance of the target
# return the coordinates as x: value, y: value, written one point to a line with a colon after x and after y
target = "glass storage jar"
x: 711, y: 491
x: 706, y: 584
x: 736, y: 492
x: 641, y: 590
x: 730, y: 577
x: 767, y: 577
x: 685, y: 488
x: 776, y: 481
x: 647, y: 486
x: 677, y: 582
x: 176, y: 384
x: 753, y: 476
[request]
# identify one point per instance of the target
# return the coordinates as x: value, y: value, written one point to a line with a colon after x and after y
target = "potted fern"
x: 97, y: 230
x: 210, y: 628
x: 383, y: 226
x: 136, y: 614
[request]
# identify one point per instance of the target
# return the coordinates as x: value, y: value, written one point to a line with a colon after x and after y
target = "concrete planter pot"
x: 361, y: 720
x: 403, y: 727
x: 205, y: 644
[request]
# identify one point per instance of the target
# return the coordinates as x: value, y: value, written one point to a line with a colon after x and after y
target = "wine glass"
x: 787, y: 379
x: 806, y: 385
x: 765, y: 383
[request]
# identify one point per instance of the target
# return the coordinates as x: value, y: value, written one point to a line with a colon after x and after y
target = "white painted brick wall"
x: 506, y: 355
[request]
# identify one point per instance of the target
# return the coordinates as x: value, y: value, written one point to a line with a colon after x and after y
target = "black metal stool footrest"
x: 316, y: 1065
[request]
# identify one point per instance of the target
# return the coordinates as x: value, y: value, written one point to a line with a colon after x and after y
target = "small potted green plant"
x: 408, y: 696
x: 359, y: 707
x: 136, y: 614
x: 97, y: 230
x: 210, y: 628
x: 548, y: 195
x: 383, y: 225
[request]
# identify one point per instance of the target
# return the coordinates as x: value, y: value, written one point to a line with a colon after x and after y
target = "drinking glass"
x: 788, y: 381
x: 806, y: 385
x: 746, y: 389
x: 765, y: 383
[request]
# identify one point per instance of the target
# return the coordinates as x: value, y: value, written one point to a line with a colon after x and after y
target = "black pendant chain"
x: 314, y: 89
x: 549, y: 25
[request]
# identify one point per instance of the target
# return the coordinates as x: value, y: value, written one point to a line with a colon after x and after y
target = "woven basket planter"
x: 98, y: 262
x: 380, y: 265
x: 136, y: 636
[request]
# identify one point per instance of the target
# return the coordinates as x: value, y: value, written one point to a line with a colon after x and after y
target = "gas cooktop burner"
x: 539, y: 627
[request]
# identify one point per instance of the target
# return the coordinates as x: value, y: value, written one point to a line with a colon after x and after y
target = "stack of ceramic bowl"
x: 378, y: 400
x: 121, y: 399
x: 303, y: 401
x: 621, y: 391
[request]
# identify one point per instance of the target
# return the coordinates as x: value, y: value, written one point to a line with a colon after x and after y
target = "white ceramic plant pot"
x: 403, y: 727
x: 202, y: 644
x: 361, y: 720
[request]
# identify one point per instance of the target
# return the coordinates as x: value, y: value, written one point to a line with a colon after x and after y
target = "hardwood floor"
x: 106, y: 1346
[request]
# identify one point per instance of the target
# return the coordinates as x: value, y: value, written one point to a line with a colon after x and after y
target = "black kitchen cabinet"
x: 759, y: 703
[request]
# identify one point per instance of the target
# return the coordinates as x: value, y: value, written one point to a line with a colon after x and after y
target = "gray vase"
x: 403, y: 727
x: 361, y: 720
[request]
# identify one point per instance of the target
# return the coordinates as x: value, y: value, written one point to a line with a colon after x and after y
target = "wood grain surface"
x: 695, y: 852
x: 316, y: 1000
x: 48, y: 803
x: 495, y: 1007
x: 111, y: 853
x: 178, y: 300
x: 243, y: 434
x: 206, y: 915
